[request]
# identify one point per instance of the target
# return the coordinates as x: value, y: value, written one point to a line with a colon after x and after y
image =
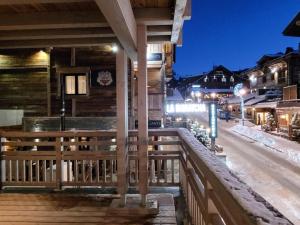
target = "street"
x: 274, y: 178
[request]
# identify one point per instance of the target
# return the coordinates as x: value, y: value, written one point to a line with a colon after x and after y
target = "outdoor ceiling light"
x: 114, y: 48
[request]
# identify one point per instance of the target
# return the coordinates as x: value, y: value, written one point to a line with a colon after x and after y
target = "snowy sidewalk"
x: 284, y: 148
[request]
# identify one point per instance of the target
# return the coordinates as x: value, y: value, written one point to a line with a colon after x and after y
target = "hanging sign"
x: 103, y: 78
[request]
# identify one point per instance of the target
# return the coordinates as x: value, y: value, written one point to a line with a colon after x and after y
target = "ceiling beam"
x: 51, y: 20
x: 158, y: 39
x: 56, y: 33
x: 44, y: 43
x: 75, y: 19
x: 24, y: 2
x: 75, y: 33
x: 178, y: 19
x: 159, y: 30
x: 120, y: 17
x: 188, y: 10
x: 154, y: 16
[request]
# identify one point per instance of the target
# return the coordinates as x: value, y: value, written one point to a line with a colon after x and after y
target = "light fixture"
x: 114, y: 48
x: 242, y: 92
x: 213, y: 95
x: 274, y: 70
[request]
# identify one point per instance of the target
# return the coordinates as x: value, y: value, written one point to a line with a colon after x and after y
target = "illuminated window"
x: 76, y: 84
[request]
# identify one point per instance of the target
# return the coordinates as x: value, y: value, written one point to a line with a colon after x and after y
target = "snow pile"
x: 284, y: 148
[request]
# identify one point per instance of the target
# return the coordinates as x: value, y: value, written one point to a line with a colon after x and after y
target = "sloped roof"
x: 293, y: 29
x: 257, y: 99
x: 175, y: 97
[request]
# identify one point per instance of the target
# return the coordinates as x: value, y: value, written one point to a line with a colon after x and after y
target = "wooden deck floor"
x: 66, y: 209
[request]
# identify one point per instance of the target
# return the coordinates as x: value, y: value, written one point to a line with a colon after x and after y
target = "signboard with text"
x: 213, y: 121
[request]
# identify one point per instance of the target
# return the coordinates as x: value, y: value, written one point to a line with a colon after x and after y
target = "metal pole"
x: 242, y: 108
x: 63, y: 108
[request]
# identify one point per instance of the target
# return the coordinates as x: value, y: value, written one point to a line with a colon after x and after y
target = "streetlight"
x: 242, y: 92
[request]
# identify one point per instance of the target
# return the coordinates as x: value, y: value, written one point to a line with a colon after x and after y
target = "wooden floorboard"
x: 72, y: 209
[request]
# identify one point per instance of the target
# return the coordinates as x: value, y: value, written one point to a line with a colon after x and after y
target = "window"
x: 264, y: 79
x: 76, y: 84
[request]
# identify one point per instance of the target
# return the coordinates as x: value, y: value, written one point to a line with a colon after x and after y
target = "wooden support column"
x: 142, y: 111
x: 73, y: 64
x: 122, y: 123
x: 132, y: 86
x: 48, y: 51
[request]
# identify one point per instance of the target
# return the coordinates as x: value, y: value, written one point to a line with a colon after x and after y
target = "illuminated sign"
x: 213, y: 121
x: 184, y: 108
x: 237, y: 88
x: 154, y: 57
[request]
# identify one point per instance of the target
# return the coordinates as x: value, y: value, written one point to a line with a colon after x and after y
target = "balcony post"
x: 2, y: 163
x: 122, y: 123
x: 142, y: 111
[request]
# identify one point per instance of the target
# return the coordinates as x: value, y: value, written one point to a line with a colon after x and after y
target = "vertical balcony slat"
x: 17, y: 171
x: 37, y: 171
x: 30, y: 171
x: 91, y: 171
x: 97, y: 171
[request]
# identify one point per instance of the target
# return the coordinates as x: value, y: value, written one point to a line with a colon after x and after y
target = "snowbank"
x: 286, y: 149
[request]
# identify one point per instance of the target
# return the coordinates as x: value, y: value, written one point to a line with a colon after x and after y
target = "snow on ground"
x: 284, y: 148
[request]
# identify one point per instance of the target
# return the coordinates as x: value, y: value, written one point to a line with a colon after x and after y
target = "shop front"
x: 289, y: 119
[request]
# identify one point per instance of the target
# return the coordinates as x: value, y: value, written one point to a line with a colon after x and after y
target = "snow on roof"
x: 257, y: 99
x: 175, y: 97
x: 254, y: 205
x: 271, y: 105
x: 208, y: 90
x: 237, y: 100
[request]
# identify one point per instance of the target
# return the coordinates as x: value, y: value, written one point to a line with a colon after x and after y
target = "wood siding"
x: 23, y: 81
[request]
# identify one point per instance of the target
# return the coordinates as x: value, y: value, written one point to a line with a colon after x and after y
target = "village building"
x: 219, y: 81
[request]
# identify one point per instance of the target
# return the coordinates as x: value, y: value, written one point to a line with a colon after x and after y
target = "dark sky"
x: 234, y: 33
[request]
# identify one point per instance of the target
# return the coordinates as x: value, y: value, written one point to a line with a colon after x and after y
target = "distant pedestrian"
x: 227, y: 116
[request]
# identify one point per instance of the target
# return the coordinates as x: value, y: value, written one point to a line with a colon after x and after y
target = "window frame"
x: 76, y: 75
x: 62, y: 73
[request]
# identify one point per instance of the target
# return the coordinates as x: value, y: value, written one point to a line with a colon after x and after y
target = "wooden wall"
x: 23, y: 81
x: 155, y: 94
x: 101, y: 101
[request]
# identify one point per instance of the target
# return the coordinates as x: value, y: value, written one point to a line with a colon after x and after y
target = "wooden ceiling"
x: 152, y: 3
x: 75, y: 23
x: 52, y: 6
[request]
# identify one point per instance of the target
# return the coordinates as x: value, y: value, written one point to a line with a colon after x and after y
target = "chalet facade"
x: 219, y: 80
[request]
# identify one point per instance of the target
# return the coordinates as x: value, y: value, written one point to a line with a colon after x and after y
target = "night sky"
x: 234, y: 33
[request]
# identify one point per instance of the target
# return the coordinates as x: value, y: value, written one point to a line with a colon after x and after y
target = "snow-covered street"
x: 270, y: 165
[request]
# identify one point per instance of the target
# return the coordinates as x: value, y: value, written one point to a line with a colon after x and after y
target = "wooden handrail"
x: 232, y: 199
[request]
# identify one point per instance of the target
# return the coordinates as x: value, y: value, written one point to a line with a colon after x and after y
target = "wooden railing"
x: 212, y: 193
x: 55, y: 159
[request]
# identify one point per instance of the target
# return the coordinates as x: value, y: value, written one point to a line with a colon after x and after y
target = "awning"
x: 257, y: 99
x: 237, y: 100
x: 270, y: 105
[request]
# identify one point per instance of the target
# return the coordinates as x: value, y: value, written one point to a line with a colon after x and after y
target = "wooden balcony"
x: 61, y: 160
